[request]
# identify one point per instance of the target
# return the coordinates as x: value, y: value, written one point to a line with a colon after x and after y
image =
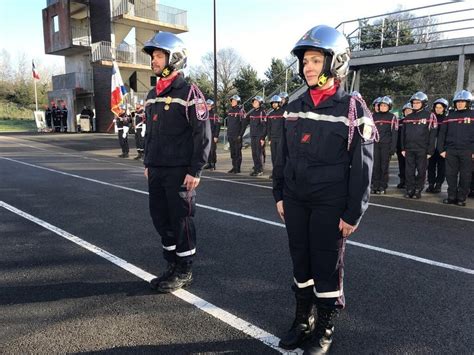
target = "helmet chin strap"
x: 325, y: 73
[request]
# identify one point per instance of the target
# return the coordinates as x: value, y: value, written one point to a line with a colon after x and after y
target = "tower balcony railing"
x: 150, y: 10
x: 130, y: 54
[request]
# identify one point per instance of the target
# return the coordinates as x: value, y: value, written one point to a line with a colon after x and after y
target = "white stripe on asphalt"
x: 224, y: 316
x: 367, y: 246
x: 269, y: 187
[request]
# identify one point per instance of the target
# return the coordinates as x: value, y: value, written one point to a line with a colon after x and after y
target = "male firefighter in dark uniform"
x: 64, y: 113
x: 406, y: 110
x: 321, y: 183
x: 215, y: 131
x: 140, y: 129
x: 456, y: 144
x: 177, y: 144
x: 48, y: 116
x: 234, y: 119
x: 123, y: 123
x: 436, y: 164
x: 387, y: 126
x: 275, y: 122
x: 56, y: 115
x: 418, y: 140
x: 257, y: 119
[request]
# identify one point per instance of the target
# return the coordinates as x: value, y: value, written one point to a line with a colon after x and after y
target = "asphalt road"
x: 409, y: 268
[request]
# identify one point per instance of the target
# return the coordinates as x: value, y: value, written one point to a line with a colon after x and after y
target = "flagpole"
x: 36, y: 95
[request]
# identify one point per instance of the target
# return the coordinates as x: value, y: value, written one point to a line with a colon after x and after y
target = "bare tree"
x: 6, y: 72
x: 229, y: 63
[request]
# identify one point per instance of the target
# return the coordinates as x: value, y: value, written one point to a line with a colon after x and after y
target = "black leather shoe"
x: 461, y: 203
x: 401, y: 185
x: 303, y: 324
x: 417, y: 194
x: 164, y: 276
x: 437, y: 189
x: 231, y: 171
x: 181, y: 277
x: 410, y: 194
x: 430, y: 189
x: 321, y: 340
x: 448, y: 201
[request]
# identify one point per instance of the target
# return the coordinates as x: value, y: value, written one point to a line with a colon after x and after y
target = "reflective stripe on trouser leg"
x: 327, y: 253
x: 297, y: 220
x: 184, y: 207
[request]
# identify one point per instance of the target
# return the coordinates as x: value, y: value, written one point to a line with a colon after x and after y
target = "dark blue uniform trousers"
x: 172, y: 210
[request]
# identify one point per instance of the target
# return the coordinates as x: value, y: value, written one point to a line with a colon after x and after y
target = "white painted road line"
x: 366, y: 246
x: 224, y: 316
x: 269, y: 187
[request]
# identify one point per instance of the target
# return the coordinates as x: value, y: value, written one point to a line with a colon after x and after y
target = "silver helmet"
x: 235, y: 97
x: 171, y: 45
x: 386, y: 100
x: 283, y: 95
x: 406, y: 106
x: 210, y: 102
x: 463, y: 95
x: 259, y: 99
x: 442, y: 102
x: 356, y: 94
x: 420, y: 96
x: 335, y: 47
x: 276, y: 98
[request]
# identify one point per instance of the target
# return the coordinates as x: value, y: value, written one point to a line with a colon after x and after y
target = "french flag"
x: 118, y: 90
x: 35, y: 72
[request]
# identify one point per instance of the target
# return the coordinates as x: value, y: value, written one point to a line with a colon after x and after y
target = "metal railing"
x: 74, y: 80
x: 150, y: 10
x: 80, y: 35
x: 407, y: 27
x: 124, y: 53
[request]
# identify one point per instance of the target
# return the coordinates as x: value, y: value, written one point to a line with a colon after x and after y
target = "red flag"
x: 35, y: 72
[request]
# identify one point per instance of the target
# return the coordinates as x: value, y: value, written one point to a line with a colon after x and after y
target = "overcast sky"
x: 257, y: 29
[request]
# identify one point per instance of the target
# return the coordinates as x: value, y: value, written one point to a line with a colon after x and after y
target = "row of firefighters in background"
x: 419, y: 138
x: 56, y: 118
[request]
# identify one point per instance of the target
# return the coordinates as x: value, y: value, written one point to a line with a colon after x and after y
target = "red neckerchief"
x: 320, y: 95
x: 163, y: 83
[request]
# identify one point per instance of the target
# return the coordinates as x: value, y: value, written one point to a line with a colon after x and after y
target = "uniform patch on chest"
x: 155, y: 117
x: 306, y: 138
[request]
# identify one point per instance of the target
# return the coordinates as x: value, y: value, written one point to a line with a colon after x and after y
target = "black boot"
x: 181, y: 277
x: 401, y: 185
x: 232, y: 171
x: 138, y: 157
x: 303, y: 324
x: 164, y: 276
x: 437, y: 189
x: 321, y: 340
x: 410, y: 194
x: 417, y: 194
x: 430, y: 189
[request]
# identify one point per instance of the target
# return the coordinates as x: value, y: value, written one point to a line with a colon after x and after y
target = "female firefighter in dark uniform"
x: 321, y: 182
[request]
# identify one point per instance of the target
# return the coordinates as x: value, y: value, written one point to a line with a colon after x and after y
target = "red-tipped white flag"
x: 35, y: 72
